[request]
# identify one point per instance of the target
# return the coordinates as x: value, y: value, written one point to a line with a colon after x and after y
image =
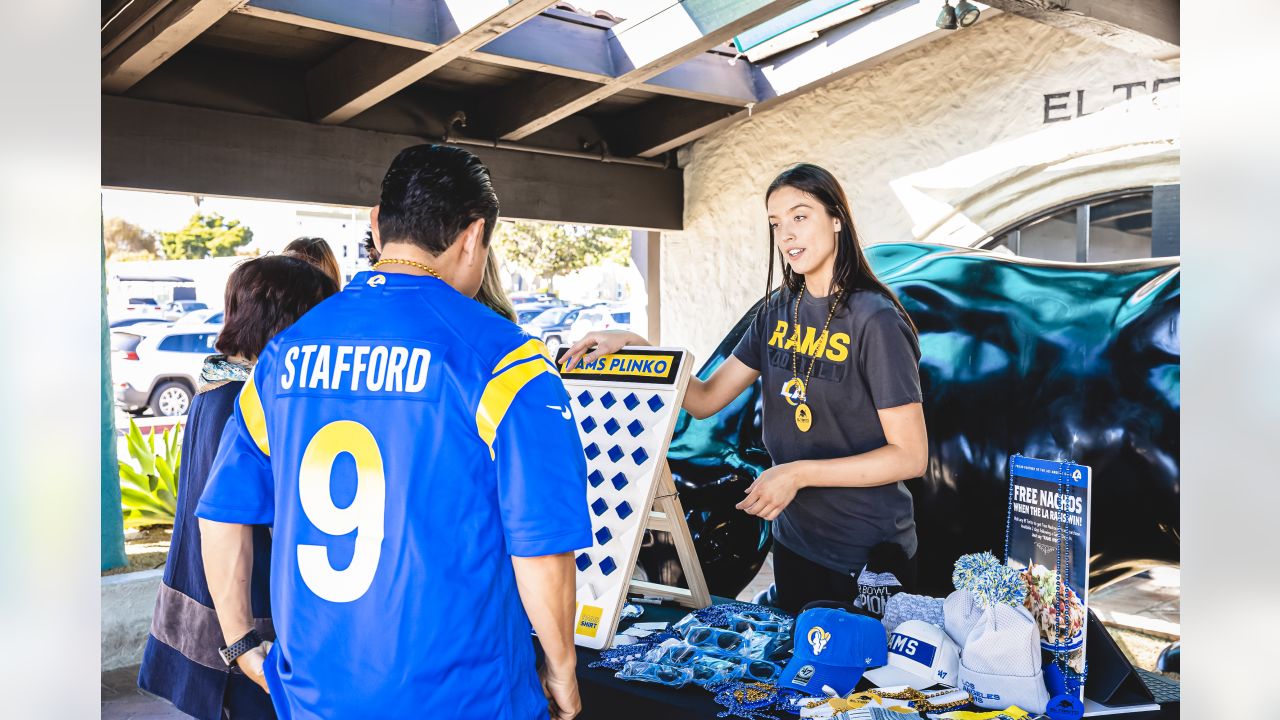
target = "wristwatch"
x: 250, y: 641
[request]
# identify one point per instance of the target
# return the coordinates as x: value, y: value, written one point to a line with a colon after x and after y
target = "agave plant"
x: 149, y: 485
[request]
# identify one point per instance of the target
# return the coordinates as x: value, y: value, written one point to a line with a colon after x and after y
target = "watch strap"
x: 250, y: 641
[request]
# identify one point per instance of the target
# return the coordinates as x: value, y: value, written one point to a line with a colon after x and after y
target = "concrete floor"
x: 1151, y: 599
x: 123, y: 700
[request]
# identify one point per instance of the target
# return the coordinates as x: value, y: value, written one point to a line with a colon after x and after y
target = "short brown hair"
x: 266, y: 295
x: 316, y: 251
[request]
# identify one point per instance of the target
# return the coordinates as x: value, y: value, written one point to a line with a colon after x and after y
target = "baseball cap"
x: 920, y: 655
x: 833, y: 647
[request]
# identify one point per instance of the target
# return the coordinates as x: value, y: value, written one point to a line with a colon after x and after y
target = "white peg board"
x: 625, y: 406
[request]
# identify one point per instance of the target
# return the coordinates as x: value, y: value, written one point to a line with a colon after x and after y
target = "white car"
x: 157, y: 367
x: 599, y: 317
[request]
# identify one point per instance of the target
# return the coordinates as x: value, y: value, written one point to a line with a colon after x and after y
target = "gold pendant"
x: 793, y: 391
x: 804, y: 418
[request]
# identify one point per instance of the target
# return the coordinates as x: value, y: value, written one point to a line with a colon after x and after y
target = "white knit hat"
x: 960, y: 613
x: 1000, y: 661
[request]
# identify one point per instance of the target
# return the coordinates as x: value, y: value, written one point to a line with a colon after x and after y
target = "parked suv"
x: 599, y: 317
x: 552, y: 326
x: 561, y: 326
x: 157, y: 368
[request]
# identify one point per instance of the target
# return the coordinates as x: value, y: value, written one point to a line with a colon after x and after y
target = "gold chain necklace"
x: 796, y: 389
x: 411, y: 263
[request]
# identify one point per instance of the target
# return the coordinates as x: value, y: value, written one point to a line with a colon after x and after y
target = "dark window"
x: 143, y: 301
x: 1126, y: 225
x: 201, y: 343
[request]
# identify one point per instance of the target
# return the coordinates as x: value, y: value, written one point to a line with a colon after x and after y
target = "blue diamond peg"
x: 583, y: 562
x: 623, y: 509
x: 588, y: 425
x: 603, y: 535
x: 592, y: 451
x: 595, y: 478
x: 607, y: 565
x: 655, y: 403
x: 619, y: 481
x: 611, y: 426
x: 615, y: 453
x: 631, y: 401
x: 635, y: 428
x: 639, y: 456
x: 608, y: 400
x: 584, y: 398
x: 599, y: 506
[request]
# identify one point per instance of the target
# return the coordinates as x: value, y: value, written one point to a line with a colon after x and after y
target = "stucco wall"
x: 945, y: 144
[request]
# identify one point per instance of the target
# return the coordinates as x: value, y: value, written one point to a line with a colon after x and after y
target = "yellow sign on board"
x: 622, y: 364
x: 589, y: 620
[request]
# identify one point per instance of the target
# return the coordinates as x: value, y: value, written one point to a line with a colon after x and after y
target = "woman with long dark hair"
x: 181, y: 661
x: 843, y: 420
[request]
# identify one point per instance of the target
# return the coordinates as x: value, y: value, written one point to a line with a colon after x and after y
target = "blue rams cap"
x: 833, y: 647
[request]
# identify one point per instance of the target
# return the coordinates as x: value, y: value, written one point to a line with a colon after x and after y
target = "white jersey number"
x: 365, y: 514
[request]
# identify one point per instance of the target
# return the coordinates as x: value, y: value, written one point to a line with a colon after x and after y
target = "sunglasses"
x: 709, y: 637
x: 655, y: 673
x: 769, y: 626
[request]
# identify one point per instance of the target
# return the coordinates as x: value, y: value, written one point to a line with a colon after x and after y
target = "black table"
x: 605, y: 697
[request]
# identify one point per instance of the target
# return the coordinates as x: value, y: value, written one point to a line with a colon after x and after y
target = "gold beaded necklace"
x: 796, y: 389
x: 411, y: 263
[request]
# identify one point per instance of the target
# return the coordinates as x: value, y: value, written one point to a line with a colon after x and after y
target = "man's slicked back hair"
x: 431, y: 193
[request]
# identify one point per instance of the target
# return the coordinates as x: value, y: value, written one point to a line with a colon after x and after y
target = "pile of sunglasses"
x: 745, y: 648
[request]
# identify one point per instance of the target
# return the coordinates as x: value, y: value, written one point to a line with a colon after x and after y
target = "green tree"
x: 552, y: 251
x: 206, y: 236
x: 126, y: 241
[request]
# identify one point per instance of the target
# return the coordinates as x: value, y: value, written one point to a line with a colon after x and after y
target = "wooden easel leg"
x: 668, y: 504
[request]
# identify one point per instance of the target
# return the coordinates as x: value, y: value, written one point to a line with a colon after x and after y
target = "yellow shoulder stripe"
x: 530, y: 349
x: 255, y: 421
x: 498, y: 396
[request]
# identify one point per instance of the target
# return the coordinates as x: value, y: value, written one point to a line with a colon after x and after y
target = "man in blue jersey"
x: 417, y: 459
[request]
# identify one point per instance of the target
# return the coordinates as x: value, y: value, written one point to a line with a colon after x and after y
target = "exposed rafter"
x: 640, y: 48
x: 366, y: 73
x: 549, y: 43
x: 866, y: 41
x: 155, y: 31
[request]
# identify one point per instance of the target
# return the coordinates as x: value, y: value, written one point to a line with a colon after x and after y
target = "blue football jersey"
x: 403, y: 441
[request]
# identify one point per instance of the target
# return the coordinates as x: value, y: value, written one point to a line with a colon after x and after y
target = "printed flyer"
x: 1049, y: 530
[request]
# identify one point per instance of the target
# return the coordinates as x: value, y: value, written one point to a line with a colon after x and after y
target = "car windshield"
x: 549, y: 317
x: 524, y: 316
x: 143, y: 301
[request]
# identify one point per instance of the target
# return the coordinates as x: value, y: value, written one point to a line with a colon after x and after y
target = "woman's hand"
x: 599, y: 344
x: 772, y: 492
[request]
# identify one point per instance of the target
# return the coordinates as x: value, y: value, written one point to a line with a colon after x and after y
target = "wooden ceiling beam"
x: 366, y: 73
x: 640, y: 49
x: 158, y: 38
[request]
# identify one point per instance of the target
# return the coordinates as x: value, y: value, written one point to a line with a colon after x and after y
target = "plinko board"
x: 625, y: 406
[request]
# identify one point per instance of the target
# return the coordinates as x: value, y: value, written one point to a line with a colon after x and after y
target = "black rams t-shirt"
x: 868, y: 360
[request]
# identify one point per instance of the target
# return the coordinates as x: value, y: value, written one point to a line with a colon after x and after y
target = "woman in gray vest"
x: 843, y: 421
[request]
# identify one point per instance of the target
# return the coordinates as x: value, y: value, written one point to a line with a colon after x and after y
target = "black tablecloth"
x: 605, y: 697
